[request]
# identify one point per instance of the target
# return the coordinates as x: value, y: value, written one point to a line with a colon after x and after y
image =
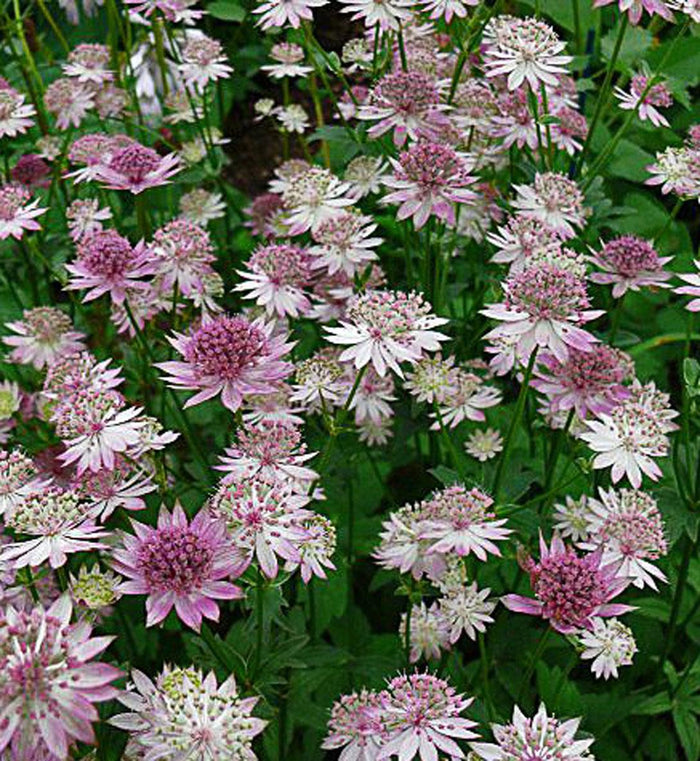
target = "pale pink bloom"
x: 461, y: 521
x: 465, y: 608
x: 515, y: 123
x: 266, y: 214
x: 19, y: 478
x: 85, y: 218
x: 544, y: 306
x: 521, y: 239
x: 277, y: 406
x: 313, y: 196
x: 466, y: 399
x: 231, y: 356
x: 658, y: 96
x: 89, y: 63
x: 387, y: 328
x: 136, y: 168
x: 609, y: 645
x: 540, y: 737
x: 422, y: 719
x: 319, y: 381
x: 200, y: 206
x: 75, y: 371
x: 373, y: 397
x: 15, y: 115
x: 17, y: 212
x: 572, y: 518
x: 58, y: 524
x: 375, y: 434
x: 429, y: 179
x: 628, y: 527
x: 431, y: 379
x: 365, y: 175
x: 106, y: 490
x: 91, y: 151
x: 316, y: 550
x: 387, y: 13
x: 570, y: 129
x: 264, y: 519
x: 523, y: 49
x: 288, y: 59
x: 677, y: 170
x: 357, y: 727
x: 69, y: 100
x: 42, y: 335
x: 187, y: 715
x: 635, y: 8
x: 282, y: 12
x: 570, y: 589
x: 178, y: 563
x: 692, y: 289
x: 447, y: 9
x: 630, y: 263
x: 484, y: 444
x: 554, y: 199
x: 429, y: 634
x: 111, y: 102
x: 277, y: 277
x: 586, y: 381
x: 49, y: 681
x: 345, y: 243
x: 172, y: 10
x: 408, y: 103
x: 108, y: 263
x: 204, y: 61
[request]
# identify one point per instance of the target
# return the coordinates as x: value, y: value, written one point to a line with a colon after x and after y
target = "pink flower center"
x: 547, y: 292
x: 106, y: 253
x: 134, y: 162
x: 629, y: 255
x: 175, y: 559
x: 226, y: 346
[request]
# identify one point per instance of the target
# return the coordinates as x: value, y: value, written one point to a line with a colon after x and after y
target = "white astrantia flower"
x: 609, y: 645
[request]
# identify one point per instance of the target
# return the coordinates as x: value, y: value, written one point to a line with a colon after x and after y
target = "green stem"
x: 658, y: 341
x: 617, y: 316
x: 402, y: 49
x: 214, y: 645
x: 54, y: 26
x: 577, y: 26
x: 533, y: 664
x: 259, y: 623
x: 160, y: 52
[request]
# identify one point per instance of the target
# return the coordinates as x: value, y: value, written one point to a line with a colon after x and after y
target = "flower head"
x: 42, y: 335
x: 201, y: 206
x: 312, y: 196
x: 387, y: 13
x: 692, y: 289
x: 357, y: 726
x: 429, y: 632
x: 19, y: 478
x: 85, y: 218
x: 288, y: 61
x: 178, y: 563
x: 69, y: 100
x: 204, y: 61
x: 17, y: 212
x: 610, y: 644
x: 572, y: 519
x: 635, y: 8
x: 89, y: 62
x: 282, y: 12
x: 94, y: 589
x: 630, y: 263
x: 345, y: 242
x: 484, y: 444
x: 465, y: 608
x: 466, y: 399
x: 657, y: 96
x: 136, y: 168
x: 554, y: 199
x: 15, y: 115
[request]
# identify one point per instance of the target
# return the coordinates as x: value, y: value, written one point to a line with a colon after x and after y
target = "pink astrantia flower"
x: 357, y: 725
x: 692, y: 289
x: 554, y: 199
x: 635, y: 8
x: 531, y: 739
x: 316, y: 550
x: 178, y: 563
x: 108, y: 263
x: 422, y: 718
x: 49, y: 681
x: 204, y: 61
x: 447, y: 9
x: 345, y: 243
x: 136, y: 168
x: 277, y: 276
x: 231, y: 356
x: 407, y: 102
x: 85, y: 218
x: 520, y: 239
x: 15, y: 115
x: 89, y: 63
x: 387, y: 328
x: 657, y: 96
x: 69, y: 100
x: 19, y: 477
x: 387, y: 13
x: 570, y: 589
x: 17, y: 212
x: 461, y: 521
x: 429, y: 179
x: 42, y: 335
x: 544, y: 306
x: 107, y: 489
x: 677, y: 170
x: 313, y: 196
x: 465, y: 399
x: 630, y: 263
x: 282, y: 12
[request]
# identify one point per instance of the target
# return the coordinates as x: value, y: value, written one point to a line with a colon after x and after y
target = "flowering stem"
x: 551, y: 465
x: 604, y: 91
x: 402, y: 48
x: 577, y: 25
x: 160, y: 52
x: 142, y: 215
x: 533, y: 664
x: 214, y: 646
x: 456, y: 459
x: 56, y: 30
x: 671, y: 219
x: 407, y: 632
x: 483, y: 655
x: 259, y: 623
x: 514, y: 423
x: 617, y: 316
x: 668, y: 338
x: 320, y: 122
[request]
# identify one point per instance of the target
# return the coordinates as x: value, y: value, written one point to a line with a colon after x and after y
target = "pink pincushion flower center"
x: 134, y: 161
x: 387, y: 314
x: 592, y: 371
x: 175, y: 559
x: 283, y: 264
x: 569, y: 587
x: 408, y: 92
x: 636, y: 535
x: 547, y: 292
x: 46, y: 324
x: 12, y: 198
x: 106, y: 253
x: 629, y: 255
x: 225, y: 347
x: 431, y: 165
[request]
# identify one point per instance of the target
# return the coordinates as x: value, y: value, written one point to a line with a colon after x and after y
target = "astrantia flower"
x: 31, y: 171
x: 288, y: 59
x: 422, y: 718
x: 677, y: 170
x: 466, y: 608
x: 657, y: 96
x: 387, y: 13
x: 89, y: 63
x: 447, y: 9
x: 17, y: 212
x: 345, y: 242
x: 541, y: 738
x: 315, y: 550
x: 178, y: 563
x: 15, y: 115
x: 276, y: 276
x: 572, y: 519
x: 610, y: 644
x: 186, y: 714
x: 204, y: 61
x: 544, y: 306
x: 43, y: 335
x: 520, y: 239
x: 373, y: 397
x: 630, y: 263
x: 365, y: 175
x: 230, y: 356
x: 109, y: 489
x: 201, y: 206
x: 19, y: 478
x: 429, y: 179
x: 524, y: 49
x: 357, y: 725
x: 387, y: 328
x: 94, y: 589
x: 407, y: 102
x: 635, y: 8
x: 460, y: 520
x: 136, y: 168
x: 692, y: 289
x: 59, y: 525
x: 282, y: 12
x: 570, y: 589
x: 554, y: 199
x: 85, y: 218
x: 484, y: 444
x: 627, y: 525
x: 313, y: 196
x: 318, y: 381
x: 429, y: 634
x: 264, y: 520
x: 274, y: 451
x: 431, y: 379
x: 48, y: 682
x: 69, y: 100
x: 108, y: 263
x: 466, y: 399
x: 586, y: 381
x: 689, y: 7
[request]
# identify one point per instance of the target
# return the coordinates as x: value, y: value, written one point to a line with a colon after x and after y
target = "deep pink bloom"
x: 570, y: 589
x: 231, y: 356
x: 136, y: 168
x: 630, y: 263
x: 178, y: 564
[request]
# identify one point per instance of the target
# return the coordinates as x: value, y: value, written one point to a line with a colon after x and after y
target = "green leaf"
x: 226, y: 10
x: 636, y: 44
x: 688, y: 732
x: 691, y: 376
x: 629, y: 162
x: 654, y: 705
